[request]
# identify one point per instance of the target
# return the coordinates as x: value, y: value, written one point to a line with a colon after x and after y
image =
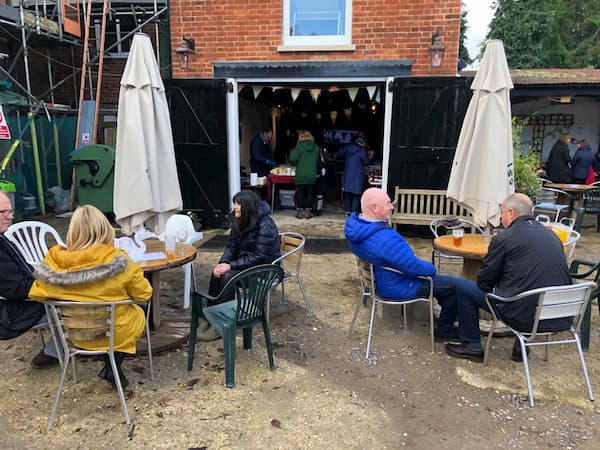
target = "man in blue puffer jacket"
x: 370, y: 238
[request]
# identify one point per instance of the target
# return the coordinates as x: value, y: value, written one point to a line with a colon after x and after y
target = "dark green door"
x: 199, y: 122
x: 427, y: 115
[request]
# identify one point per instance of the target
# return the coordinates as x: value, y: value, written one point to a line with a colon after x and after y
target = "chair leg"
x: 267, y: 333
x: 306, y: 301
x: 431, y: 332
x: 584, y: 367
x: 488, y: 341
x: 115, y: 370
x: 187, y: 285
x: 405, y: 319
x: 526, y: 367
x: 247, y: 336
x: 282, y: 292
x: 360, y: 303
x: 370, y: 328
x: 193, y: 329
x: 229, y: 354
x: 61, y: 382
x: 149, y: 345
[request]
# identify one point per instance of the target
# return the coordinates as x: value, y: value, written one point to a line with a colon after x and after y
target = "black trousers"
x: 305, y: 196
x: 216, y: 285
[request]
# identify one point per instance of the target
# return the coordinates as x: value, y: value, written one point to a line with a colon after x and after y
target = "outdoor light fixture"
x: 186, y: 52
x: 436, y: 50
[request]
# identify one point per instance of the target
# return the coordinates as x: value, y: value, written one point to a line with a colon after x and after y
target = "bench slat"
x: 421, y: 206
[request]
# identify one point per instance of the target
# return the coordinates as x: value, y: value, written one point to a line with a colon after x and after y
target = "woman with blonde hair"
x: 305, y: 155
x: 92, y: 269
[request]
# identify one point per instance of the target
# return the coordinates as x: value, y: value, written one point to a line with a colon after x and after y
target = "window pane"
x: 317, y: 17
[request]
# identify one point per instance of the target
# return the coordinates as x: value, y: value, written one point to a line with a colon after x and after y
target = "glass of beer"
x: 457, y: 236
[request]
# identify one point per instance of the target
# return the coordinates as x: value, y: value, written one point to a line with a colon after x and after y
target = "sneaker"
x: 464, y: 352
x: 43, y: 361
x: 450, y: 335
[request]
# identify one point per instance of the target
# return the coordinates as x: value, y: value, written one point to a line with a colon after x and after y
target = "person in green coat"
x: 305, y: 156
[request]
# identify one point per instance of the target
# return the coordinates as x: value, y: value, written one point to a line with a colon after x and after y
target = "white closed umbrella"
x: 482, y: 171
x: 146, y: 190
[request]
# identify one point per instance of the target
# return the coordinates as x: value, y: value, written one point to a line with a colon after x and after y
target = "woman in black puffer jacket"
x: 254, y: 240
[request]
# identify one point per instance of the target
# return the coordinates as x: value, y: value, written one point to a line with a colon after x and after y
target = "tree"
x: 463, y: 52
x: 548, y: 33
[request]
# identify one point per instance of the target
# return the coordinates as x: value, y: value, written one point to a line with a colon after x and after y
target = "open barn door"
x: 427, y: 114
x: 199, y: 121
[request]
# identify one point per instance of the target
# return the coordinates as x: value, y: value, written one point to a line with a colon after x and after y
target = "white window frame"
x: 324, y: 42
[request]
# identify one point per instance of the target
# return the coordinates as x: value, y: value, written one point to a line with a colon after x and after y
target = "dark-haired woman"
x: 254, y: 240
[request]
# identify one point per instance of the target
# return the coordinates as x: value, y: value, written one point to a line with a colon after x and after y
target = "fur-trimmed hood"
x: 70, y: 268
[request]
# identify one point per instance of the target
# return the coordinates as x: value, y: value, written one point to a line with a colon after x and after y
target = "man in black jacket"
x: 525, y: 256
x: 17, y: 315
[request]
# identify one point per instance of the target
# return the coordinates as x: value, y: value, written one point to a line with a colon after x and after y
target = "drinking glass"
x: 181, y: 236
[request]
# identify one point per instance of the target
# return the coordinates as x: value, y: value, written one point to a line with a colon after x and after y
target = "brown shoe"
x: 299, y: 213
x: 308, y: 213
x: 43, y: 361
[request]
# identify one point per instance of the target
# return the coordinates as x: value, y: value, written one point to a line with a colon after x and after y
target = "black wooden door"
x: 427, y: 115
x: 199, y: 121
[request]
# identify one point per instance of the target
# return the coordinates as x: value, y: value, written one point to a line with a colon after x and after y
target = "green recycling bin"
x: 95, y: 175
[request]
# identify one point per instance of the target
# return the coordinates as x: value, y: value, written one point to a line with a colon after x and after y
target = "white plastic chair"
x: 30, y: 238
x: 367, y: 282
x: 554, y: 302
x: 566, y: 224
x: 181, y: 222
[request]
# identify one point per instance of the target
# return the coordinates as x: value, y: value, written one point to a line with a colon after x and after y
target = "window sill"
x: 316, y: 48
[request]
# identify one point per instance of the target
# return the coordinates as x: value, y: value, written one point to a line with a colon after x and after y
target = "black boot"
x: 119, y: 357
x: 106, y: 371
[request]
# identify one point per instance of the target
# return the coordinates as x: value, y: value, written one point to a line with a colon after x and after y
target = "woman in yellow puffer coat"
x: 91, y: 269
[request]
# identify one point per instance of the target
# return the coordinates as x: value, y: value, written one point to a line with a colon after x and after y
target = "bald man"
x: 371, y: 239
x: 16, y: 277
x: 525, y: 256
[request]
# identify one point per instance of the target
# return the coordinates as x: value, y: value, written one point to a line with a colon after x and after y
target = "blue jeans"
x: 446, y: 290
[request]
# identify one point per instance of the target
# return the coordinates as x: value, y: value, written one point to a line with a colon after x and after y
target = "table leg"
x: 155, y: 282
x: 470, y: 269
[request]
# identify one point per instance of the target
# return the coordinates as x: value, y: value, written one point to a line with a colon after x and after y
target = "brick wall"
x: 250, y: 30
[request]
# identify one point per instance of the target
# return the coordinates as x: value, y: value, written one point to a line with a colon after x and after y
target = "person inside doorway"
x: 261, y: 155
x: 353, y: 182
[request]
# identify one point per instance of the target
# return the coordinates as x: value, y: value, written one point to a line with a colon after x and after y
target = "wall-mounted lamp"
x: 436, y: 50
x: 185, y: 53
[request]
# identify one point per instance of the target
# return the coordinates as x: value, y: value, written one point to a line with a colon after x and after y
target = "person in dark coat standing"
x: 254, y: 240
x: 558, y: 165
x: 582, y: 161
x: 355, y: 176
x: 305, y: 156
x: 525, y: 256
x: 16, y: 278
x: 261, y: 155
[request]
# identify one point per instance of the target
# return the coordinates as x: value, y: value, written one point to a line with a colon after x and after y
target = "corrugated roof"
x: 550, y: 76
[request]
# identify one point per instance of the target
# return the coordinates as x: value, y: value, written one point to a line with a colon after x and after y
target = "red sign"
x: 4, y: 131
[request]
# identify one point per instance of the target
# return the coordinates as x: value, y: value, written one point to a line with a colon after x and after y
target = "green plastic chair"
x: 590, y: 271
x: 251, y: 289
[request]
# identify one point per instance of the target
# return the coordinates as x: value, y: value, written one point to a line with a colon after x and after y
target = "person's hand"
x: 220, y: 269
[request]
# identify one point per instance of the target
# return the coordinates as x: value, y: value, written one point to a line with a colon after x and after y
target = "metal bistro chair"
x: 367, y: 282
x: 292, y: 249
x: 547, y: 200
x: 553, y: 302
x: 570, y: 236
x: 590, y: 205
x: 86, y: 321
x: 439, y: 227
x: 251, y: 288
x: 30, y: 238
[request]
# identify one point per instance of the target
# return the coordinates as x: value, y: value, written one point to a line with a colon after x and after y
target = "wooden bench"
x: 421, y: 206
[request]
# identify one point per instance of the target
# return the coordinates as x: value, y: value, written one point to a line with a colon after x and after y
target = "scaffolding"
x: 33, y: 25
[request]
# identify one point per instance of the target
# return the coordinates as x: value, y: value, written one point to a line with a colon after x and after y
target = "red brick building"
x: 251, y: 30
